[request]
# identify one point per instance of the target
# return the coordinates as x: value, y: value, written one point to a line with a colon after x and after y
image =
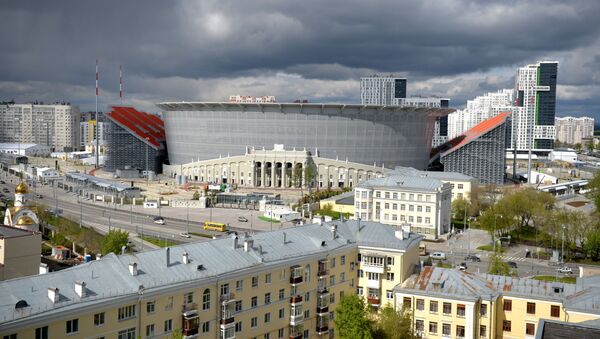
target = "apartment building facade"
x: 571, y: 130
x: 456, y: 304
x: 275, y: 284
x: 54, y: 125
x: 416, y: 203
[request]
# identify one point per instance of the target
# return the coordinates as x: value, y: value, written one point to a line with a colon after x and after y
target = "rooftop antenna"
x: 96, y: 117
x: 121, y: 84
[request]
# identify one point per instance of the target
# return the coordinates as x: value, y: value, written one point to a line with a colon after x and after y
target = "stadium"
x: 383, y: 136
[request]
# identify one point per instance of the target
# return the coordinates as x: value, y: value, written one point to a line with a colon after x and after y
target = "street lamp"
x: 494, y: 233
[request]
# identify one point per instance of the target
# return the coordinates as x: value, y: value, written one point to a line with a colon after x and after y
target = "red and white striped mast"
x: 96, y: 117
x: 121, y: 84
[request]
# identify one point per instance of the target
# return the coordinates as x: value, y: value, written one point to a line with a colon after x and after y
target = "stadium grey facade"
x: 368, y: 134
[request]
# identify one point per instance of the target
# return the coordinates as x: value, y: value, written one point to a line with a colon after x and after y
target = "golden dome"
x: 22, y: 188
x: 25, y: 220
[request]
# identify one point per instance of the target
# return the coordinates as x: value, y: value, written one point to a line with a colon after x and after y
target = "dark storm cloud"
x: 186, y: 50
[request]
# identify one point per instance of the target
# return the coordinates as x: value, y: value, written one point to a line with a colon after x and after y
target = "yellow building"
x: 456, y: 304
x: 342, y: 203
x: 275, y: 284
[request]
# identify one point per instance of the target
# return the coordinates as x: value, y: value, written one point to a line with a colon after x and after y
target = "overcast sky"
x: 310, y: 49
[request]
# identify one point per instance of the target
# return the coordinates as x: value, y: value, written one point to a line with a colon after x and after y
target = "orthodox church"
x: 22, y: 215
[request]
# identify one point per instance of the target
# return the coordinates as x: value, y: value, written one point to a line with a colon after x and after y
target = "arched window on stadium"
x: 206, y: 299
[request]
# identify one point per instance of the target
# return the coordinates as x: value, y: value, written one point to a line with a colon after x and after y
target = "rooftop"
x: 23, y: 146
x: 109, y: 278
x: 448, y: 176
x: 476, y: 132
x: 100, y: 182
x: 404, y: 181
x: 12, y: 232
x: 149, y: 128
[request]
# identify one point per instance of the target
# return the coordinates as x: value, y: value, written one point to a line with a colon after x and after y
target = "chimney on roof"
x: 53, y: 294
x: 168, y: 256
x: 80, y: 289
x: 260, y: 249
x: 284, y: 238
x: 248, y: 245
x: 185, y: 258
x: 133, y: 269
x: 333, y: 231
x: 399, y: 234
x: 235, y: 242
x: 43, y: 268
x: 124, y: 249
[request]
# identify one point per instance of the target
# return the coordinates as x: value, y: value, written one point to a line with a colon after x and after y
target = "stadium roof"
x: 147, y: 127
x: 476, y: 132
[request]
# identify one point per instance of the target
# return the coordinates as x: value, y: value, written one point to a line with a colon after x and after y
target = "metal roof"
x: 109, y: 277
x: 100, y: 182
x: 448, y: 176
x: 12, y: 232
x: 404, y: 181
x: 148, y: 128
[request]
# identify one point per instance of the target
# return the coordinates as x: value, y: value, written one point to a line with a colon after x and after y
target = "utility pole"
x: 562, y: 249
x: 187, y: 225
x: 494, y: 234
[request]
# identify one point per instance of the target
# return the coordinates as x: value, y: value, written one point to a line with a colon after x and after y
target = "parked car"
x: 565, y: 270
x: 159, y: 220
x: 185, y: 235
x: 438, y: 255
x: 462, y: 266
x: 472, y: 258
x: 242, y: 219
x: 39, y: 196
x: 511, y: 264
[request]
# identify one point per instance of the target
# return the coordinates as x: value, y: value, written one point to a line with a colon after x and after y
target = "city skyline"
x: 208, y: 51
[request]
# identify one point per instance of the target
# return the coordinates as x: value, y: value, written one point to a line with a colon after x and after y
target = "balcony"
x: 322, y: 290
x: 295, y: 280
x: 190, y: 324
x: 189, y: 307
x: 296, y: 319
x: 374, y: 301
x: 296, y: 300
x: 323, y: 329
x: 322, y: 310
x: 227, y: 321
x: 227, y: 297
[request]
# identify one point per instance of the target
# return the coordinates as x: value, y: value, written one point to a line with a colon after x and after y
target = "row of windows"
x: 554, y: 309
x: 403, y: 196
x: 446, y: 329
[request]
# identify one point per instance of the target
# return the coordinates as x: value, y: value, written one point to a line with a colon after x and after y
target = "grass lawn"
x: 263, y: 218
x: 490, y: 248
x: 160, y: 242
x: 444, y: 265
x: 89, y: 238
x: 566, y: 280
x: 332, y: 214
x: 202, y: 235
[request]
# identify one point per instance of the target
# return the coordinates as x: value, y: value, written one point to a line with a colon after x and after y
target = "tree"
x: 177, y: 334
x: 578, y: 147
x: 351, y: 320
x: 196, y: 195
x: 592, y: 245
x: 497, y: 266
x: 460, y: 208
x: 594, y: 187
x: 114, y: 241
x: 590, y: 145
x: 394, y: 324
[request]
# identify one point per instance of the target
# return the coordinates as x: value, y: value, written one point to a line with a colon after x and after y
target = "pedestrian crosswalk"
x: 512, y: 258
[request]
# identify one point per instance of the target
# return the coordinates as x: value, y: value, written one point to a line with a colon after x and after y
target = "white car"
x: 185, y: 235
x: 438, y: 255
x: 159, y: 220
x: 565, y: 270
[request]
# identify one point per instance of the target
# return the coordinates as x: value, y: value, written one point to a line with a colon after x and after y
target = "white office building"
x: 54, y: 125
x: 571, y: 130
x: 479, y: 109
x: 419, y: 202
x: 252, y: 99
x: 391, y: 91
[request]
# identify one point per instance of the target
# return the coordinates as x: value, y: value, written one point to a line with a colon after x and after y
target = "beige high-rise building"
x: 571, y: 130
x: 54, y: 125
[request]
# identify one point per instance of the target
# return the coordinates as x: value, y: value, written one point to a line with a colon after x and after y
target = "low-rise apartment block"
x: 455, y: 304
x: 275, y: 284
x: 420, y: 204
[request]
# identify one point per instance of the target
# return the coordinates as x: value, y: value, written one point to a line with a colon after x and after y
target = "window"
x: 169, y: 305
x: 483, y: 310
x: 268, y: 278
x: 281, y: 313
x: 254, y: 322
x: 331, y: 298
x: 11, y: 336
x: 224, y: 289
x: 238, y: 306
x: 281, y: 294
x: 206, y: 299
x: 387, y: 195
x: 447, y: 308
x: 377, y: 194
x: 460, y: 186
x: 41, y: 332
x: 307, y: 296
x: 238, y: 326
x: 280, y: 333
x: 343, y: 260
x: 432, y: 327
x: 419, y: 325
x: 433, y: 306
x: 332, y: 280
x: 427, y: 209
x: 127, y: 334
x: 420, y: 304
x: 254, y: 302
x: 342, y: 276
x: 206, y: 327
x: 99, y: 319
x: 72, y: 326
x: 305, y: 335
x: 388, y: 294
x: 188, y: 298
x: 460, y: 331
x: 407, y: 302
x: 267, y: 336
x: 419, y: 208
x: 306, y: 314
x: 506, y: 325
x: 168, y: 325
x: 460, y: 310
x: 126, y: 312
x: 482, y: 331
x: 507, y: 306
x: 555, y: 311
x: 531, y: 308
x: 150, y: 306
x: 150, y: 330
x: 446, y: 330
x: 239, y: 285
x: 254, y: 281
x: 529, y: 329
x: 267, y: 298
x: 359, y: 290
x: 268, y: 317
